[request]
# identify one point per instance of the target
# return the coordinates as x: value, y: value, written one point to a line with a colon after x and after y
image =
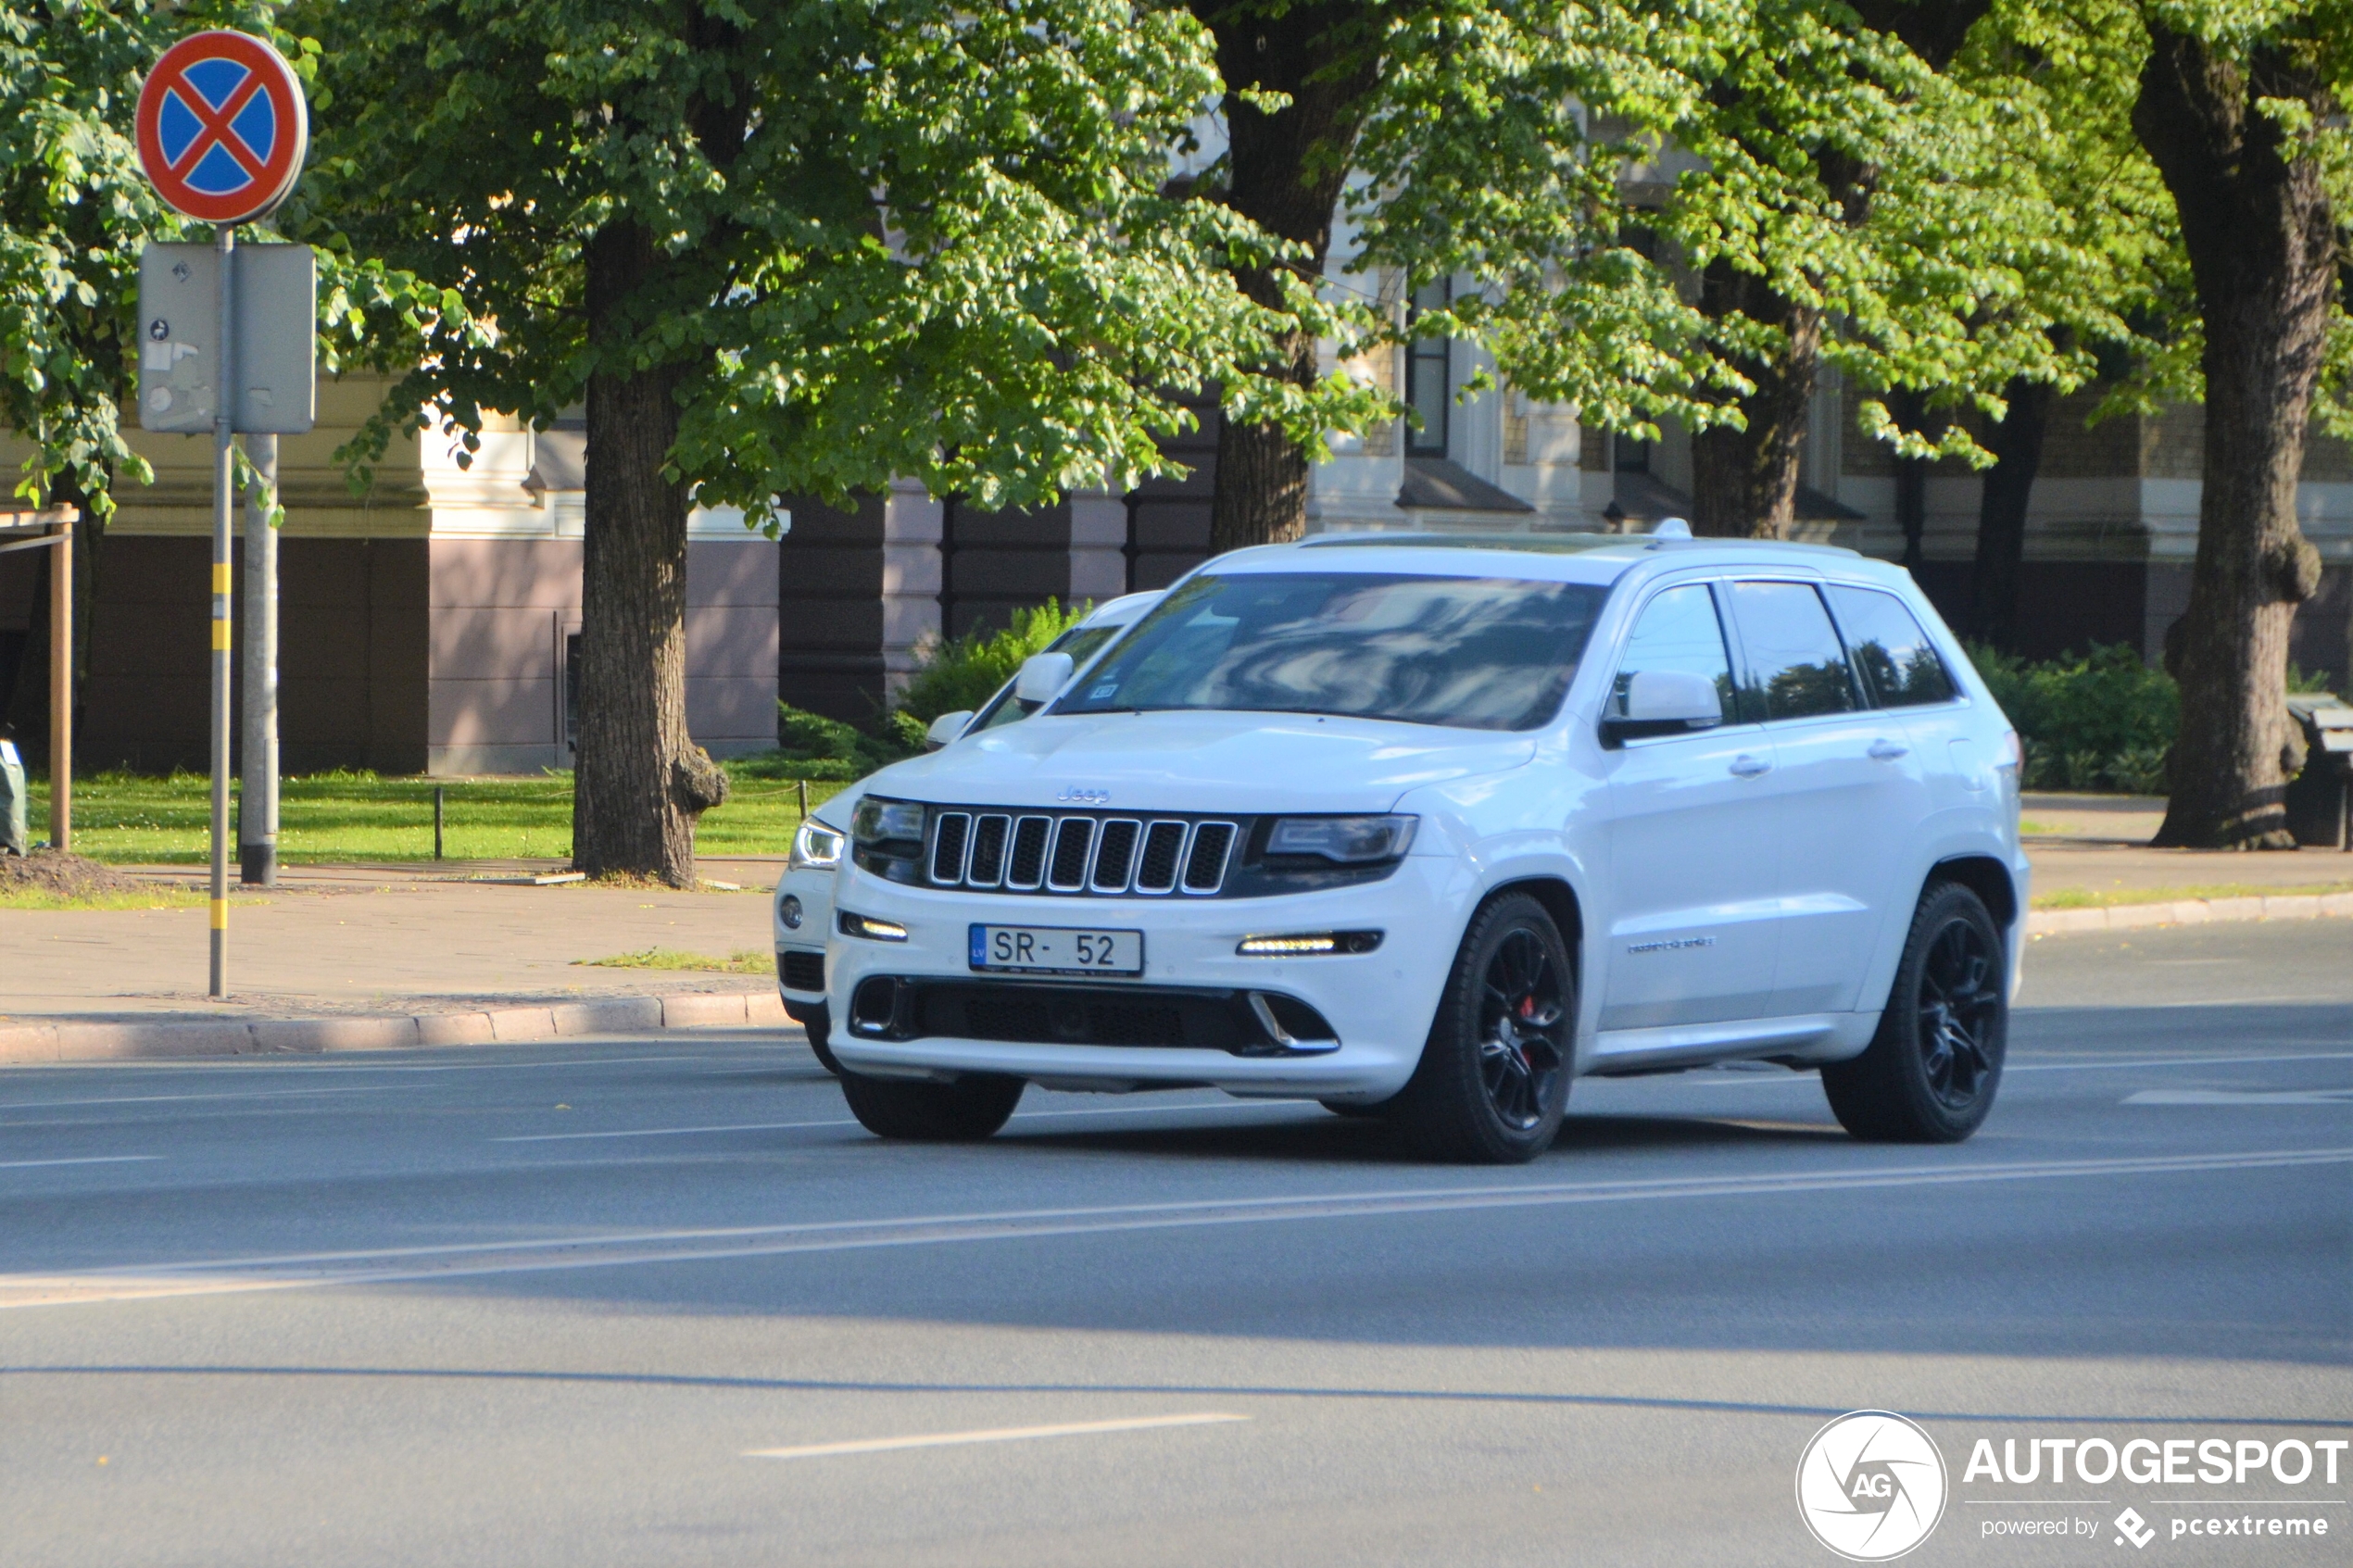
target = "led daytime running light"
x: 870, y: 928
x: 1309, y: 942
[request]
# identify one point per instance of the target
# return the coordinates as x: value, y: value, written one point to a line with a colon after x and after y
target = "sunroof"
x: 1532, y: 544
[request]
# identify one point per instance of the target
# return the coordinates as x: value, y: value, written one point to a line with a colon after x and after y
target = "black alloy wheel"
x: 1931, y: 1073
x: 1493, y: 1078
x: 1522, y: 1001
x: 1959, y: 1003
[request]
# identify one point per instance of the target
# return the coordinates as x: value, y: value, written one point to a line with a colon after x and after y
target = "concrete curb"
x: 2191, y: 911
x: 73, y: 1040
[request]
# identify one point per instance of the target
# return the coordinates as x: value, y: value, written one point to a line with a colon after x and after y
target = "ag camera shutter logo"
x: 1871, y: 1486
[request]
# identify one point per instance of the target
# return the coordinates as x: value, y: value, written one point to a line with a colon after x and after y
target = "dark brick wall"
x: 351, y: 630
x: 1168, y: 519
x: 993, y: 563
x: 829, y: 655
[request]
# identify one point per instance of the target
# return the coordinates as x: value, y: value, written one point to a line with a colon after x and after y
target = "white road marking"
x: 232, y: 1094
x: 679, y: 1132
x: 85, y: 1160
x: 2241, y: 1097
x: 993, y: 1434
x: 1782, y: 1078
x: 853, y: 1120
x: 408, y: 1264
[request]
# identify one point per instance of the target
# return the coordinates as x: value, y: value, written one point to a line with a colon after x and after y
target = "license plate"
x: 1053, y: 949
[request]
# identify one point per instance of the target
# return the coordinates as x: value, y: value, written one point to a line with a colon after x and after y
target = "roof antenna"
x: 1671, y: 528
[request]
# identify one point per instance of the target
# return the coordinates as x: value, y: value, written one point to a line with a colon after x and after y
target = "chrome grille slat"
x: 1026, y: 868
x: 951, y: 836
x: 1073, y: 847
x: 993, y: 836
x: 1205, y: 860
x: 1162, y: 857
x: 1115, y: 844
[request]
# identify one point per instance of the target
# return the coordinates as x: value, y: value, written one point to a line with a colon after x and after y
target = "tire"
x: 1493, y: 1078
x: 965, y: 1112
x: 1931, y: 1072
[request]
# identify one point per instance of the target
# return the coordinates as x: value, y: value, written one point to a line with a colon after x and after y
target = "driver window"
x: 1678, y: 630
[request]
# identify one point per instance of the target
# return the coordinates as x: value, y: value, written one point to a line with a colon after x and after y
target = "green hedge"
x: 2096, y: 720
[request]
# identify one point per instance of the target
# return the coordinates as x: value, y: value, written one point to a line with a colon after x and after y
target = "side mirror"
x: 1666, y: 701
x: 947, y: 727
x: 1043, y: 676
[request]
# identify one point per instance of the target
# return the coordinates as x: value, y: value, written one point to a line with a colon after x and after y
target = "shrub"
x: 966, y: 671
x: 810, y: 746
x: 2098, y: 720
x: 962, y: 672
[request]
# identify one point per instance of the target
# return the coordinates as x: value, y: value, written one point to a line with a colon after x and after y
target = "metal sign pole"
x: 257, y: 804
x: 224, y: 241
x: 62, y: 689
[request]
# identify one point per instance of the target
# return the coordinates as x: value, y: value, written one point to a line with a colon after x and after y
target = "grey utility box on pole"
x: 277, y: 314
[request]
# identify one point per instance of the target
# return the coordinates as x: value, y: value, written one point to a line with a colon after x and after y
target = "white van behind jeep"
x: 1425, y: 827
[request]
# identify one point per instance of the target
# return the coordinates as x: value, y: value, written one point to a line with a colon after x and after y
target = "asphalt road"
x: 563, y: 1303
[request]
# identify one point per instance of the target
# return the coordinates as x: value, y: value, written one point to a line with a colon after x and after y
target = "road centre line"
x: 231, y: 1093
x: 84, y: 1159
x: 853, y: 1120
x: 2241, y: 1097
x: 390, y: 1265
x: 1758, y: 1079
x: 993, y: 1434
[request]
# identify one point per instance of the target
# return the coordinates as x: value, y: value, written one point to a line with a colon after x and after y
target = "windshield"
x: 1080, y: 644
x: 1472, y: 652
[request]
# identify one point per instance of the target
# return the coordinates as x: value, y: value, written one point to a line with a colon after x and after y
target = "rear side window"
x: 1797, y: 668
x: 1677, y: 630
x: 1898, y: 664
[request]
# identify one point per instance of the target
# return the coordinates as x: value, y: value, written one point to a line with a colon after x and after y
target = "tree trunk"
x: 1287, y: 170
x: 2261, y: 241
x: 640, y: 782
x: 1744, y: 481
x: 2017, y: 445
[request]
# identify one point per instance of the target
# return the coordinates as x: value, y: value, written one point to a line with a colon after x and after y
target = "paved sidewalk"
x: 366, y: 957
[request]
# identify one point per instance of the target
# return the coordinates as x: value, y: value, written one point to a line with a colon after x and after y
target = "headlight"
x: 815, y: 847
x: 1348, y: 840
x: 877, y: 821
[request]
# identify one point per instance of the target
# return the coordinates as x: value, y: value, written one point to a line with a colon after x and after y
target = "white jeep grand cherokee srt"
x: 1425, y: 827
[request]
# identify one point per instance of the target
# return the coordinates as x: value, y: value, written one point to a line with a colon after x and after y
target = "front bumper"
x: 800, y: 949
x: 1378, y: 1004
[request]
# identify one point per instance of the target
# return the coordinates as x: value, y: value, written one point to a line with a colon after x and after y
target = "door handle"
x: 1885, y: 750
x: 1747, y: 767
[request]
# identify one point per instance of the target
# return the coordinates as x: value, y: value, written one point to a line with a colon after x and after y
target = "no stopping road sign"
x: 222, y: 127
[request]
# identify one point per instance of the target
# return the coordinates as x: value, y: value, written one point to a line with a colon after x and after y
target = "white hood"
x: 1200, y: 761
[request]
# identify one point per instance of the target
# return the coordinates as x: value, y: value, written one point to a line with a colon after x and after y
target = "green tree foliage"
x: 1684, y: 210
x: 803, y: 247
x: 74, y: 212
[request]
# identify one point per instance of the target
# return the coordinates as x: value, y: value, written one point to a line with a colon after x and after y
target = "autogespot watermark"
x: 1872, y: 1485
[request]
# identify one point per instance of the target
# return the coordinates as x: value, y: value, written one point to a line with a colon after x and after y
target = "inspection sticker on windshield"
x: 1051, y: 949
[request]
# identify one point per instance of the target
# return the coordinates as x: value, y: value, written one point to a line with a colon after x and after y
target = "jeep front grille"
x: 1078, y: 852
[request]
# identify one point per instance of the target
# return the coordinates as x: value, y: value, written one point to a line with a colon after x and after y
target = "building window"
x: 1429, y: 380
x: 571, y: 691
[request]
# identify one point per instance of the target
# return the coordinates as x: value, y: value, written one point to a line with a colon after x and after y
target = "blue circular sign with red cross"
x: 221, y: 127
